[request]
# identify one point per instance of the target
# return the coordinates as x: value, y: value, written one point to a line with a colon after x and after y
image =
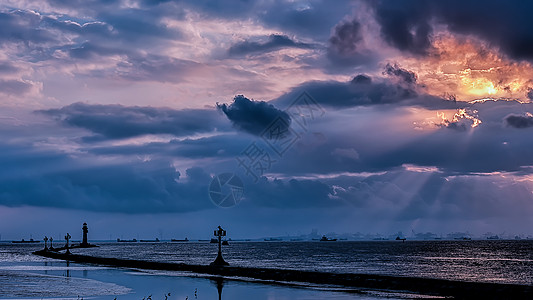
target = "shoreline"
x: 426, y: 286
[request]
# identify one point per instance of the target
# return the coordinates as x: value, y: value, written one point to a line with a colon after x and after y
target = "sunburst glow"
x: 470, y: 69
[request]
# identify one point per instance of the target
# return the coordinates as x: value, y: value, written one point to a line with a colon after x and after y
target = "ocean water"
x: 26, y: 276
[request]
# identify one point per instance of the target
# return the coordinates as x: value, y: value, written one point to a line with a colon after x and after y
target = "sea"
x: 27, y: 276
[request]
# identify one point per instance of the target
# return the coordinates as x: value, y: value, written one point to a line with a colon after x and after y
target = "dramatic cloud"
x: 253, y: 116
x: 129, y: 188
x: 117, y: 121
x: 403, y: 75
x: 408, y: 25
x: 274, y: 42
x: 362, y: 90
x: 346, y: 38
x: 518, y: 121
x: 414, y: 112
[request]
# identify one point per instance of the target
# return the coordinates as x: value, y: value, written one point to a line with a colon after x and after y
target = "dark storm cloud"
x: 345, y: 48
x: 55, y: 180
x: 361, y: 79
x: 274, y: 42
x: 118, y: 121
x: 362, y: 90
x: 518, y: 121
x: 406, y: 25
x: 346, y: 37
x: 252, y: 116
x: 403, y: 75
x: 459, y: 126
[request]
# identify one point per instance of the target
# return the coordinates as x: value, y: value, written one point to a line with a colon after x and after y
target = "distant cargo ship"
x: 326, y: 239
x: 178, y: 240
x: 127, y: 241
x: 31, y: 241
x: 150, y: 241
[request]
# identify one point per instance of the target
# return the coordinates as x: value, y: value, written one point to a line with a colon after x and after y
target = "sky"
x: 342, y: 116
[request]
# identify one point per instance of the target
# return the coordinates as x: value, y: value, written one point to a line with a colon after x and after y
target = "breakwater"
x: 427, y: 286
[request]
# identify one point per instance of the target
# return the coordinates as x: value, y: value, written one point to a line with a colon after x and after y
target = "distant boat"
x: 213, y: 241
x: 326, y: 239
x: 398, y: 238
x: 272, y: 240
x: 464, y: 238
x: 225, y: 242
x: 493, y: 237
x: 177, y: 240
x: 127, y: 241
x: 150, y: 241
x: 31, y: 241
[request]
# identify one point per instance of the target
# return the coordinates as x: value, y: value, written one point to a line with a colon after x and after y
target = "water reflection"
x: 219, y: 281
x: 67, y: 270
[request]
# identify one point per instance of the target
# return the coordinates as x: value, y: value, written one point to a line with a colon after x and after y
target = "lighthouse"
x: 85, y: 231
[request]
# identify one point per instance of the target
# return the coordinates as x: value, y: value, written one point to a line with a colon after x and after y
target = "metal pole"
x: 220, y: 244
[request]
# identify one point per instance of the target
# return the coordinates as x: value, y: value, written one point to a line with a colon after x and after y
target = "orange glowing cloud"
x: 470, y: 69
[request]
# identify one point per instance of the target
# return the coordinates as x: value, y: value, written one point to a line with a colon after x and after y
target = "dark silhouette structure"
x: 219, y: 261
x: 219, y: 281
x: 67, y: 238
x: 45, y: 243
x: 85, y: 230
x: 51, y: 245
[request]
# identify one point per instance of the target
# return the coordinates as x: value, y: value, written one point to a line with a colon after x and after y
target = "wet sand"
x: 437, y: 287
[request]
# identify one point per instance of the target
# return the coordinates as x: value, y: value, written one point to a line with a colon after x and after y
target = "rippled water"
x: 486, y: 261
x: 26, y: 276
